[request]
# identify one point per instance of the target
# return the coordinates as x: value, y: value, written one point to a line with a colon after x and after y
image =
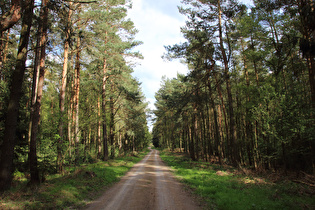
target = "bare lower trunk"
x: 233, y: 138
x: 77, y: 97
x: 112, y: 127
x: 35, y: 81
x: 62, y: 94
x: 99, y: 122
x: 217, y: 135
x: 222, y: 105
x: 248, y: 130
x: 37, y: 106
x: 105, y: 145
x: 311, y: 71
x: 311, y: 68
x: 9, y: 138
x: 192, y: 143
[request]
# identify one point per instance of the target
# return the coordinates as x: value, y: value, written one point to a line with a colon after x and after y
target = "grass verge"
x: 225, y: 188
x: 72, y: 191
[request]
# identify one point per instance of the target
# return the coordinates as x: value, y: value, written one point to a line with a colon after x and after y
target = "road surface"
x: 148, y: 185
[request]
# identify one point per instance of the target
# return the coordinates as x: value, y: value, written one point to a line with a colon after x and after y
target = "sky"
x: 158, y: 22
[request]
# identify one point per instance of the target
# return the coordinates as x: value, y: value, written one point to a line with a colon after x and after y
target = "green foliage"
x: 265, y: 87
x: 107, y: 37
x: 79, y: 186
x: 223, y: 188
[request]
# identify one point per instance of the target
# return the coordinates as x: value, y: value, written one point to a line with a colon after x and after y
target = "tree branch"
x: 9, y: 19
x: 83, y: 2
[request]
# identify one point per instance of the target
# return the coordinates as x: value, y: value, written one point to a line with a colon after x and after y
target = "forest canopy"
x: 67, y: 94
x: 249, y: 97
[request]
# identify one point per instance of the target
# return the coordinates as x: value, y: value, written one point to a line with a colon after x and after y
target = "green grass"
x: 224, y: 188
x: 74, y: 190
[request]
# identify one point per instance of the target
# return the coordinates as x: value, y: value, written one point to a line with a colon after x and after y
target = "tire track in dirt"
x: 148, y: 185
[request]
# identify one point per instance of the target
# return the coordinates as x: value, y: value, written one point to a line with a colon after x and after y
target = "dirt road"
x: 148, y: 185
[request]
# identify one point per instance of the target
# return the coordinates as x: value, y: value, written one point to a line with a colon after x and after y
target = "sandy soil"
x: 148, y: 185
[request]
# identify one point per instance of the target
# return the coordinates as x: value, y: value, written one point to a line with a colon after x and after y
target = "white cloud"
x: 158, y: 22
x: 157, y: 28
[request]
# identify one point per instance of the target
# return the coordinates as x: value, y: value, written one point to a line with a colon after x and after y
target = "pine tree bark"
x: 112, y: 126
x: 105, y: 145
x: 191, y: 141
x: 62, y: 94
x: 233, y: 138
x: 248, y: 130
x: 3, y: 54
x: 2, y: 44
x: 35, y: 179
x: 36, y: 70
x: 217, y: 135
x: 222, y: 105
x: 77, y: 97
x: 9, y: 138
x: 9, y: 19
x: 306, y: 9
x: 1, y: 49
x: 99, y: 122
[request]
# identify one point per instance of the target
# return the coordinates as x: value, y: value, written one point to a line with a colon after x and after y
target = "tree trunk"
x: 35, y: 179
x: 195, y: 134
x: 9, y: 138
x: 222, y: 106
x: 191, y: 142
x: 70, y: 132
x: 306, y: 14
x: 62, y: 94
x: 77, y: 97
x: 99, y: 122
x: 248, y: 130
x: 233, y: 138
x: 105, y: 145
x: 112, y: 125
x: 3, y: 52
x: 35, y: 79
x: 217, y: 135
x: 306, y: 8
x: 203, y: 138
x: 9, y: 19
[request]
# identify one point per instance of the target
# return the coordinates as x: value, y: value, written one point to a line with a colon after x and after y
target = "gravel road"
x: 148, y: 185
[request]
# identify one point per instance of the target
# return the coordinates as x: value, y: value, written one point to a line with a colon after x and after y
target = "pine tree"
x: 10, y: 17
x: 35, y: 119
x: 9, y: 138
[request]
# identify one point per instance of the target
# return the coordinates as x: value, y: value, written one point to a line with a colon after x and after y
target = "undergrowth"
x: 225, y: 188
x: 74, y: 190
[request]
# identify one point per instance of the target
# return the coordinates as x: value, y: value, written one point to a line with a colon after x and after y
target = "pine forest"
x: 68, y: 97
x: 249, y: 97
x: 67, y: 94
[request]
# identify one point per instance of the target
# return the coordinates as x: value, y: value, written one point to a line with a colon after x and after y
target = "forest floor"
x: 149, y: 185
x: 225, y: 187
x: 73, y: 190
